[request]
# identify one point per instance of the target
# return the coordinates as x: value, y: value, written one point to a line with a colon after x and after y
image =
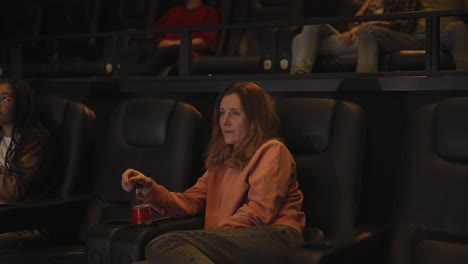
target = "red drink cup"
x: 141, y: 214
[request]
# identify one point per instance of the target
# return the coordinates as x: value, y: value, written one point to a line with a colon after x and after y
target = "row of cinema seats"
x: 239, y: 51
x: 85, y: 56
x: 156, y: 136
x: 326, y: 136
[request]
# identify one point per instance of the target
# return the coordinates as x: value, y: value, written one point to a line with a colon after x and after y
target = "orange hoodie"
x: 265, y: 192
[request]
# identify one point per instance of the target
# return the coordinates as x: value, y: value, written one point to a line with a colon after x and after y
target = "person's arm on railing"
x: 400, y: 6
x: 390, y: 6
x: 363, y: 8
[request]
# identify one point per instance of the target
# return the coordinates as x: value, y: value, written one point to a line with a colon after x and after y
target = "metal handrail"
x: 431, y: 40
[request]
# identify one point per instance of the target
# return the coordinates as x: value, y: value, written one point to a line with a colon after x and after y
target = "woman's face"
x: 7, y: 105
x: 232, y: 119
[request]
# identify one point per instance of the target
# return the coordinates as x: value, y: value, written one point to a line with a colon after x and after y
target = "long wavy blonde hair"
x: 259, y: 109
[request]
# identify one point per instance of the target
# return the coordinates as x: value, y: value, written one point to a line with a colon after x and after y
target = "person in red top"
x: 151, y: 59
x: 249, y: 194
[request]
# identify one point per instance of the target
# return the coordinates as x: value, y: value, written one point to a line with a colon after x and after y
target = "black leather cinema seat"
x: 23, y: 19
x: 71, y: 125
x: 326, y: 138
x: 155, y: 136
x: 82, y: 56
x: 430, y: 224
x: 433, y: 226
x: 125, y: 15
x: 158, y: 137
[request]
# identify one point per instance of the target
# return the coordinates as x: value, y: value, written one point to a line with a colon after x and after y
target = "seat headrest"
x: 306, y: 123
x: 146, y: 122
x: 51, y: 109
x: 451, y: 129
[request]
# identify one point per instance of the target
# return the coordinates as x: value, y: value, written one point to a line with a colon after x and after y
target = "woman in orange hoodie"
x: 249, y: 193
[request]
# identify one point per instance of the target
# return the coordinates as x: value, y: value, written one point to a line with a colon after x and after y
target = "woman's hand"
x: 370, y: 24
x: 348, y: 37
x: 132, y: 177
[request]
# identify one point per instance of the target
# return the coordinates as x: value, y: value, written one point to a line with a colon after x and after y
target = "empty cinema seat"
x: 432, y: 226
x: 72, y: 125
x: 76, y: 56
x: 23, y: 20
x: 125, y: 15
x: 326, y: 138
x: 430, y: 222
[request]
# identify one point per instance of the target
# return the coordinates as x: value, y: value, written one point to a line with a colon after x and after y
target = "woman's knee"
x: 455, y: 33
x: 296, y: 41
x: 310, y: 28
x: 367, y: 34
x: 366, y: 39
x: 456, y: 27
x: 162, y: 245
x: 165, y: 241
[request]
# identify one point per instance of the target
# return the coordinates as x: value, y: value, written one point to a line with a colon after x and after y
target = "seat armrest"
x: 371, y: 249
x: 365, y: 249
x: 120, y: 240
x: 130, y: 242
x: 312, y: 234
x: 48, y: 214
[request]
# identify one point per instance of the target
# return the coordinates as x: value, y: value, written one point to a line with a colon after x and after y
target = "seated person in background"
x: 324, y: 40
x: 453, y: 36
x: 453, y: 30
x: 249, y: 193
x: 152, y: 58
x: 26, y: 152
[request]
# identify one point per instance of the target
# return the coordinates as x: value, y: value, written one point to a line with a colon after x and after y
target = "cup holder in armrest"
x: 120, y: 222
x: 155, y: 221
